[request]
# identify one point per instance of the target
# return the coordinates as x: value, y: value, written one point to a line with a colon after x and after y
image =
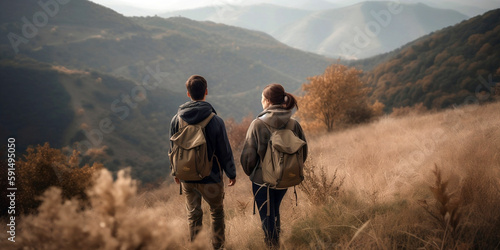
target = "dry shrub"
x: 417, y: 109
x: 324, y: 227
x: 449, y: 206
x: 318, y: 185
x: 358, y: 114
x: 108, y: 223
x: 469, y: 216
x: 4, y: 181
x: 497, y: 92
x: 446, y: 211
x: 44, y: 167
x: 236, y: 132
x: 377, y: 108
x: 150, y: 196
x: 343, y: 223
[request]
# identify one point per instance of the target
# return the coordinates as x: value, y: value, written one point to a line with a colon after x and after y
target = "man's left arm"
x: 224, y: 153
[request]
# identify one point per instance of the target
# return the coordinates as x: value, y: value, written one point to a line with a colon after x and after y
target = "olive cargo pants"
x: 213, y: 194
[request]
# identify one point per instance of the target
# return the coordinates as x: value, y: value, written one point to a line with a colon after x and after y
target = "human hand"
x: 231, y: 182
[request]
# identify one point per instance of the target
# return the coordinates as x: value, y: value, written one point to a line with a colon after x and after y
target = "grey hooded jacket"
x: 258, y: 136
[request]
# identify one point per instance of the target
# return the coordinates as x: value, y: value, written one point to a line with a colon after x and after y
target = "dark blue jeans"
x: 270, y: 224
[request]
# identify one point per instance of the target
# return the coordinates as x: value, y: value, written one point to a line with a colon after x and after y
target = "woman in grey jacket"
x: 278, y: 106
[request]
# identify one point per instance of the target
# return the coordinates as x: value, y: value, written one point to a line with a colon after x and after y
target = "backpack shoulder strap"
x: 290, y: 124
x: 205, y: 122
x: 182, y: 123
x: 271, y: 129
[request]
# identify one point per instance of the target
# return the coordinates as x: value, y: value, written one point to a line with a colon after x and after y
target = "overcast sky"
x: 134, y: 7
x: 189, y: 4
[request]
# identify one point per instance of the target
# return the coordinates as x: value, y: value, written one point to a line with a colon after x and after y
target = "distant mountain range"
x: 357, y: 31
x: 467, y: 7
x: 87, y: 69
x: 262, y: 17
x: 62, y: 77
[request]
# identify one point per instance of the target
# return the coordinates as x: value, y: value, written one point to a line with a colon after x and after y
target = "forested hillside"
x: 443, y: 68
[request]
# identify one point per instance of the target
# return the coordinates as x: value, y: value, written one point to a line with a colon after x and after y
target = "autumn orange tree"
x: 337, y: 96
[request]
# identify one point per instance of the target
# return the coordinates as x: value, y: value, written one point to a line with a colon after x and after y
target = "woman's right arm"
x: 249, y: 155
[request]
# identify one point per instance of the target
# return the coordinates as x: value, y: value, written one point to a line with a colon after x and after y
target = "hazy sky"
x: 149, y: 7
x: 188, y: 4
x: 135, y: 7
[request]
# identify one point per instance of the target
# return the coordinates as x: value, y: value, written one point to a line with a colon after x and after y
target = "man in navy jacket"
x: 211, y: 188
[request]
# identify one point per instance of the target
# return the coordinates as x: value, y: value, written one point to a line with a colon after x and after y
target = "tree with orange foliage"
x: 333, y: 98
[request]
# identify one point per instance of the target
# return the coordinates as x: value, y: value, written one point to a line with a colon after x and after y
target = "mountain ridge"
x: 87, y: 85
x: 371, y: 28
x: 331, y: 32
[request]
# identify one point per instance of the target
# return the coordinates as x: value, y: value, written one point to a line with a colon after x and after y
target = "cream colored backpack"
x: 283, y: 164
x: 189, y: 159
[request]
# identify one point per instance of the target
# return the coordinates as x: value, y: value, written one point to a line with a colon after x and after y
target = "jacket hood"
x: 275, y: 116
x: 195, y: 111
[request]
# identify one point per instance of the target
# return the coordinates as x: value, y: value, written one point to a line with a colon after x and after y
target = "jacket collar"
x: 194, y: 112
x: 275, y: 116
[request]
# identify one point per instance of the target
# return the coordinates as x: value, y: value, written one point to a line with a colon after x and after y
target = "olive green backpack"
x: 283, y: 164
x: 189, y: 159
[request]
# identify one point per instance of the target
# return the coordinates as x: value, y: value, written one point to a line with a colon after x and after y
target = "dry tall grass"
x: 389, y: 167
x: 392, y: 196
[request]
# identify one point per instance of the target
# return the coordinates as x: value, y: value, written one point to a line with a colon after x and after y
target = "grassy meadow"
x: 429, y: 181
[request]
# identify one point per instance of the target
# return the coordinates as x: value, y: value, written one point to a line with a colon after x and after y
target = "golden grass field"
x: 429, y: 181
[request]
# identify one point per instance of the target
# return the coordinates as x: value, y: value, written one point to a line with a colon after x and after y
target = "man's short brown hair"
x: 196, y: 86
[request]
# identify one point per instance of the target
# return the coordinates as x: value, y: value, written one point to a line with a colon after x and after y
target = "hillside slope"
x: 101, y: 115
x: 377, y: 177
x: 78, y: 13
x: 34, y: 105
x: 237, y: 62
x: 452, y: 66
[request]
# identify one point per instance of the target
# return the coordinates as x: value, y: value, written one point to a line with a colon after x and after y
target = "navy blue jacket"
x: 194, y: 112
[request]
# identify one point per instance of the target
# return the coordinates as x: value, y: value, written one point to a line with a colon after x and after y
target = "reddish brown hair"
x: 276, y: 94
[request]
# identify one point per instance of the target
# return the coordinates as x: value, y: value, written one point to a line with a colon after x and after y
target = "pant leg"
x: 278, y: 197
x: 213, y: 194
x: 271, y: 223
x: 193, y: 207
